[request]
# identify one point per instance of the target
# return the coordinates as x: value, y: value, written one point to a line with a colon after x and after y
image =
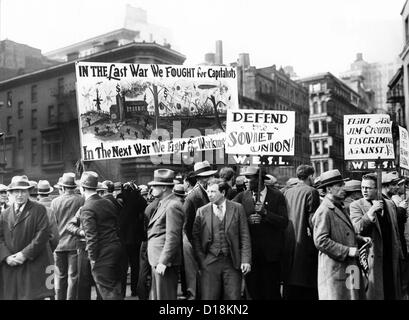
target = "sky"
x: 313, y: 36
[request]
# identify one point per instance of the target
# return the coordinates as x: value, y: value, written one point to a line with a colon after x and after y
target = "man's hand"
x: 19, y: 258
x: 353, y: 252
x: 254, y: 218
x: 376, y: 206
x: 404, y: 204
x: 245, y: 268
x: 160, y: 269
x: 11, y: 261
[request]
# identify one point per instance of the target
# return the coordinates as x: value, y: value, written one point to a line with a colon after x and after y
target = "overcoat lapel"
x: 367, y: 205
x: 228, y: 215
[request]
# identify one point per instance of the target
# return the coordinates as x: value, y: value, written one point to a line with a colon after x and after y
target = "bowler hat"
x: 352, y: 185
x: 163, y: 177
x: 331, y: 177
x: 89, y: 180
x: 179, y: 190
x: 44, y: 187
x: 19, y: 183
x: 203, y: 169
x: 68, y: 180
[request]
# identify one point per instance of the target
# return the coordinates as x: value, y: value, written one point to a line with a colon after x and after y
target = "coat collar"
x: 13, y: 220
x: 228, y: 216
x: 161, y: 208
x: 342, y: 215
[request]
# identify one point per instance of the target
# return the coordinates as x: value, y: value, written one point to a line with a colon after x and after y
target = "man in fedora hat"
x: 300, y: 258
x: 64, y: 208
x: 337, y: 243
x: 99, y: 220
x: 377, y: 219
x: 44, y: 191
x: 24, y: 253
x: 221, y: 240
x: 353, y: 192
x: 165, y: 237
x: 267, y: 219
x: 3, y: 198
x: 196, y: 198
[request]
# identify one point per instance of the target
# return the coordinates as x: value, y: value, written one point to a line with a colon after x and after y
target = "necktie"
x: 18, y: 210
x: 219, y: 212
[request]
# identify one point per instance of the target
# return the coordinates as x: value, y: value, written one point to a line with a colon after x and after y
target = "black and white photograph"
x: 222, y: 152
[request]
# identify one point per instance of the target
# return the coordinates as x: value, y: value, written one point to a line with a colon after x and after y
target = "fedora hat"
x: 390, y: 177
x: 3, y: 187
x: 328, y: 178
x: 352, y: 185
x: 254, y: 171
x: 89, y: 179
x: 101, y: 187
x: 203, y: 169
x: 44, y: 187
x: 179, y: 190
x: 57, y: 185
x: 34, y: 189
x: 68, y: 180
x: 144, y: 189
x: 163, y: 177
x: 117, y: 185
x: 19, y: 183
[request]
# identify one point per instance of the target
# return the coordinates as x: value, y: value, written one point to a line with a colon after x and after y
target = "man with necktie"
x: 221, y: 240
x: 24, y: 253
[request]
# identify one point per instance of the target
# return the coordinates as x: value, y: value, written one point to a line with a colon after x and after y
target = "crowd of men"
x: 217, y: 234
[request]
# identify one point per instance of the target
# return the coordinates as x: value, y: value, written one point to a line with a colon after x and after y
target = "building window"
x: 52, y: 115
x: 325, y: 166
x: 60, y: 86
x: 34, y: 119
x: 51, y: 147
x: 323, y: 107
x: 316, y: 128
x: 20, y: 139
x: 325, y: 147
x: 315, y: 107
x: 34, y: 96
x: 20, y: 110
x: 9, y: 124
x: 317, y: 147
x: 9, y: 99
x: 324, y: 126
x: 34, y: 151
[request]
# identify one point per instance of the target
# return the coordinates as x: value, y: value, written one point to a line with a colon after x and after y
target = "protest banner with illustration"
x: 132, y: 110
x: 404, y: 151
x: 368, y: 137
x: 258, y: 132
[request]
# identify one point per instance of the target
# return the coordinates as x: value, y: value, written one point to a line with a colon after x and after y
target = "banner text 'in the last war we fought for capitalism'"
x: 131, y: 110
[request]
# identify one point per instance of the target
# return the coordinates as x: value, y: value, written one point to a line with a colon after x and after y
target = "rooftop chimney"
x: 219, y: 52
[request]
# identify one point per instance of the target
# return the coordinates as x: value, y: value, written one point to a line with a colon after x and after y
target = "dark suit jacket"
x: 99, y: 219
x: 165, y: 233
x: 236, y: 228
x: 267, y: 238
x: 195, y: 199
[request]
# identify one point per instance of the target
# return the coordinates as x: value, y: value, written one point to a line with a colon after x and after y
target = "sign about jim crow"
x: 133, y: 110
x: 262, y: 133
x: 368, y: 137
x: 404, y: 152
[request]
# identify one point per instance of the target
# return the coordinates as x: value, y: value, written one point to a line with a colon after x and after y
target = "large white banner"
x: 258, y: 132
x: 133, y: 110
x: 403, y: 148
x: 368, y: 137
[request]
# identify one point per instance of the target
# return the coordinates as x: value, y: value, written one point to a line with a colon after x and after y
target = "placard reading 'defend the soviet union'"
x: 368, y: 137
x: 131, y: 110
x: 258, y: 132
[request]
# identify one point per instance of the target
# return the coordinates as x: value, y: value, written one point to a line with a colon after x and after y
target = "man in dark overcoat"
x: 267, y: 222
x: 26, y: 268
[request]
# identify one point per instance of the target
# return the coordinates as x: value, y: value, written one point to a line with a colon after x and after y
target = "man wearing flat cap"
x: 376, y: 218
x: 300, y: 259
x: 99, y: 220
x: 64, y: 208
x: 337, y: 243
x: 267, y: 220
x: 165, y: 237
x: 196, y: 198
x: 24, y: 251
